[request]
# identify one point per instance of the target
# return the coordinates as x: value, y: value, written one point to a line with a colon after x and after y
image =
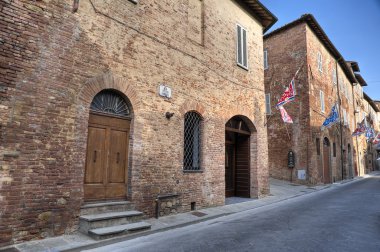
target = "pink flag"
x: 285, y: 117
x: 377, y: 139
x: 288, y: 95
x: 360, y: 129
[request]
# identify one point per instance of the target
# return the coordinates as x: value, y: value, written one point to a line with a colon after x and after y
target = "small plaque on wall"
x: 165, y: 91
x: 301, y: 174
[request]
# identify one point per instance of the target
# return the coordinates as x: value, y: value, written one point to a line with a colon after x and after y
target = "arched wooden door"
x: 237, y: 163
x: 326, y: 161
x: 350, y: 168
x: 106, y: 168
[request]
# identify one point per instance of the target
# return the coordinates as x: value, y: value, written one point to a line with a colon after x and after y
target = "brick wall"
x: 55, y: 62
x: 286, y: 54
x: 287, y: 50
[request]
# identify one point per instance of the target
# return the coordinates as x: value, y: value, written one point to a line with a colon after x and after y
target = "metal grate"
x: 109, y: 102
x: 192, y: 141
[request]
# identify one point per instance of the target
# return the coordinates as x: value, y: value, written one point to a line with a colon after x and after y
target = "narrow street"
x: 344, y: 218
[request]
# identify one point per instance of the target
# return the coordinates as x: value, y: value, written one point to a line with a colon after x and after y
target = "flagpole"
x: 287, y: 132
x: 340, y: 117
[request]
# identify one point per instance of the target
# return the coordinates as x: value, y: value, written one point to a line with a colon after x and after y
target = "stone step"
x: 92, y: 221
x: 108, y: 232
x: 105, y: 207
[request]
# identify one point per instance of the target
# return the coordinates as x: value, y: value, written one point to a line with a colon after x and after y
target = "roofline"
x: 370, y: 101
x: 264, y: 16
x: 360, y: 80
x: 320, y: 33
x: 354, y: 65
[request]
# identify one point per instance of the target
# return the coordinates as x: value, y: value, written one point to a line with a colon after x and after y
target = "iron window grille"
x: 192, y: 142
x: 109, y: 102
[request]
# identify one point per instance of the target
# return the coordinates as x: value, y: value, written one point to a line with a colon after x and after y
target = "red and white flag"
x: 285, y: 117
x: 377, y: 139
x: 288, y: 95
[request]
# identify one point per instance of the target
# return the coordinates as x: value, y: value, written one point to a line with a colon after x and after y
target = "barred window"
x: 192, y: 142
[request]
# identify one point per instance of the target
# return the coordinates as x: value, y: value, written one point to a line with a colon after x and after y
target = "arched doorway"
x: 237, y: 163
x: 326, y: 161
x: 106, y: 168
x: 350, y: 168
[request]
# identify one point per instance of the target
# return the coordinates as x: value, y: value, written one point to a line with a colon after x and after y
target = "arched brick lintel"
x: 192, y: 106
x: 107, y: 81
x: 244, y: 114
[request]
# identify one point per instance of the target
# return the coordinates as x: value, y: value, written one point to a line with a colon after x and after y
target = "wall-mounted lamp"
x: 168, y: 115
x: 356, y: 111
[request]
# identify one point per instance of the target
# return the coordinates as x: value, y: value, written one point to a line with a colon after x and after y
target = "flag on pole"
x: 332, y: 118
x: 377, y: 139
x: 284, y: 115
x: 289, y: 94
x: 369, y: 133
x: 361, y: 129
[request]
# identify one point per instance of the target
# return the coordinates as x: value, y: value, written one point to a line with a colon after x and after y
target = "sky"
x: 353, y: 26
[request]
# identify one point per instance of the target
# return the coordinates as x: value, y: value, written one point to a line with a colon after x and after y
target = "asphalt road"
x: 344, y: 218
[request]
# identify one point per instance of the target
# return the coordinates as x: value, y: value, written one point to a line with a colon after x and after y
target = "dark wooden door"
x: 230, y: 170
x: 326, y: 164
x: 107, y: 158
x: 242, y: 170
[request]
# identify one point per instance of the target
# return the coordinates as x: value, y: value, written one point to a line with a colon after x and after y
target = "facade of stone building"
x: 369, y: 150
x: 128, y: 100
x: 324, y: 79
x: 376, y: 146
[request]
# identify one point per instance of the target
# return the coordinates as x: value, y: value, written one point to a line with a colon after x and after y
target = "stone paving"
x: 280, y: 190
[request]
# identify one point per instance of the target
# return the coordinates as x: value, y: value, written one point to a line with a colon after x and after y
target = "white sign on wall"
x: 165, y: 91
x: 301, y: 174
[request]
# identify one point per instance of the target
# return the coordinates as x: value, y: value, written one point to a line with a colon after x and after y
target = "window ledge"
x: 243, y: 67
x: 193, y: 171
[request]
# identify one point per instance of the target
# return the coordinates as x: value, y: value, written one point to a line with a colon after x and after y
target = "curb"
x: 203, y: 219
x: 133, y: 236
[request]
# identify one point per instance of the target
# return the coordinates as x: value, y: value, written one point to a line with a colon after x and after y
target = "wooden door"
x: 107, y: 158
x: 230, y: 170
x: 326, y: 164
x: 242, y: 170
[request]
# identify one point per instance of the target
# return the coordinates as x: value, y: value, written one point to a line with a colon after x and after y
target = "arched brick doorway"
x: 106, y: 168
x: 350, y: 166
x: 326, y: 161
x: 237, y: 154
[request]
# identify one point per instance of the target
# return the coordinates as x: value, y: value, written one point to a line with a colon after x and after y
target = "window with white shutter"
x: 334, y: 76
x: 322, y: 100
x: 241, y: 47
x: 265, y: 59
x: 344, y: 117
x: 319, y: 59
x: 268, y: 108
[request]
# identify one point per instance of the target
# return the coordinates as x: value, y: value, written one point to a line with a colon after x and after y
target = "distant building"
x: 324, y: 79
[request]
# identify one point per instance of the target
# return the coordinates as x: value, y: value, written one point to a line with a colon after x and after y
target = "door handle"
x: 94, y: 156
x: 117, y: 157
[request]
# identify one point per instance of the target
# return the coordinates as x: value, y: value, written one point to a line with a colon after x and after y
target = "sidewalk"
x: 280, y: 190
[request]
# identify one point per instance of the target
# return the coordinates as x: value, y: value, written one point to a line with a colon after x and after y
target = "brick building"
x: 324, y: 79
x: 367, y: 108
x: 128, y: 100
